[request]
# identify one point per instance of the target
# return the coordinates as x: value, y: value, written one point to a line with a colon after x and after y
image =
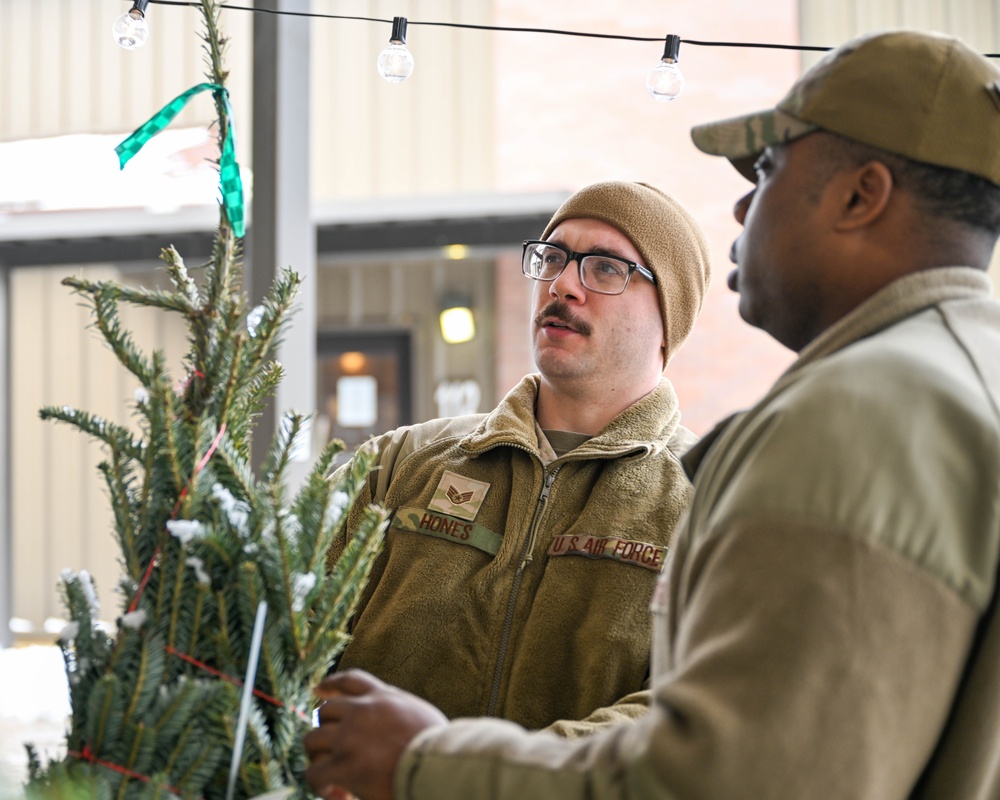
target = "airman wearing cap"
x: 827, y: 621
x: 525, y: 543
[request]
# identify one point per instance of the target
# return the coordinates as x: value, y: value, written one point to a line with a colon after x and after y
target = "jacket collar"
x: 641, y: 429
x: 900, y: 299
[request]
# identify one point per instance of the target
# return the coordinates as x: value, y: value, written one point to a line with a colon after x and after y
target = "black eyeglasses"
x: 604, y: 274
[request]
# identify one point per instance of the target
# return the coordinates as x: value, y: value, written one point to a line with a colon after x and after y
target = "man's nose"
x: 740, y: 209
x: 568, y: 284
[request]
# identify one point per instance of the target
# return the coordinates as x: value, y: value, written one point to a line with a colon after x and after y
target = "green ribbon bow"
x: 229, y: 171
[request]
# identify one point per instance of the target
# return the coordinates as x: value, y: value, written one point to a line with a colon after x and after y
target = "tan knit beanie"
x: 671, y: 243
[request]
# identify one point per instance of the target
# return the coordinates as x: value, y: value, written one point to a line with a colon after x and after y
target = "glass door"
x: 364, y: 385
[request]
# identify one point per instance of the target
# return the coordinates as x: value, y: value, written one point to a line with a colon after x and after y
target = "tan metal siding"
x: 824, y: 23
x: 61, y: 73
x: 60, y: 511
x: 432, y: 133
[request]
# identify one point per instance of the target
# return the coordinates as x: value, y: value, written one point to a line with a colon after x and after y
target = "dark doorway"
x: 364, y: 384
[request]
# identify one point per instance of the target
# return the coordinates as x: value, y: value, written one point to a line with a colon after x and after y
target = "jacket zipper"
x: 526, y: 558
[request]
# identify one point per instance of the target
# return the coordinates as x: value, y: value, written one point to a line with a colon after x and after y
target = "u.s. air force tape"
x: 628, y: 551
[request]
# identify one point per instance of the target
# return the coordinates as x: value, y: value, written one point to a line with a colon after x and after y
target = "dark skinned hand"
x: 365, y: 725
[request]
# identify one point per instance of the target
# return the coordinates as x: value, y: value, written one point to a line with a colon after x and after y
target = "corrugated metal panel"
x: 63, y: 74
x: 824, y: 23
x: 431, y: 134
x: 60, y: 512
x: 60, y: 73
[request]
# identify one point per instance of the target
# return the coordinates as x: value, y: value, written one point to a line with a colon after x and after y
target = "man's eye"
x: 608, y: 267
x: 761, y: 166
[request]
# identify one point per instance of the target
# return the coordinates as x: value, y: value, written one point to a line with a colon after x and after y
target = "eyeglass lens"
x: 605, y: 274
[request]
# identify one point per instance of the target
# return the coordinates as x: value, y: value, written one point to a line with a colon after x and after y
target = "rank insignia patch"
x: 459, y: 496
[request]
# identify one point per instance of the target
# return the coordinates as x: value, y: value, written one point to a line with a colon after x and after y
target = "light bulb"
x: 665, y: 81
x: 457, y: 325
x: 130, y: 29
x: 395, y: 63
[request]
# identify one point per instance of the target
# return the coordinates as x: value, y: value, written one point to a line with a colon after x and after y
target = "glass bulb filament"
x: 395, y: 63
x: 665, y: 81
x: 130, y: 30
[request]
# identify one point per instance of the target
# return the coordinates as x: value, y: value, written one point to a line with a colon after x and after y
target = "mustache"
x: 557, y: 309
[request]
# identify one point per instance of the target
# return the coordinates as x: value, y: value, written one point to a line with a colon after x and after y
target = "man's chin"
x: 554, y: 363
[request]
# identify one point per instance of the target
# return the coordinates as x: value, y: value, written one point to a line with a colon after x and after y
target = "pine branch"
x: 179, y: 275
x: 250, y: 402
x: 116, y: 437
x: 118, y: 477
x: 237, y: 475
x: 280, y: 454
x: 147, y: 677
x: 275, y: 317
x: 320, y: 505
x: 139, y: 296
x: 347, y: 579
x: 140, y: 756
x: 174, y: 709
x: 104, y: 715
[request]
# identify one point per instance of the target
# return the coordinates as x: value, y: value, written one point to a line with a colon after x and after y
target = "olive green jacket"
x: 514, y: 588
x: 827, y: 619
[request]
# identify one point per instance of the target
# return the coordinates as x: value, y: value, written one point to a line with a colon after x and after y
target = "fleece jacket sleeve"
x: 801, y: 685
x: 630, y: 708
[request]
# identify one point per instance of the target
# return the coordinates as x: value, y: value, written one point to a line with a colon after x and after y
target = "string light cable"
x: 395, y: 63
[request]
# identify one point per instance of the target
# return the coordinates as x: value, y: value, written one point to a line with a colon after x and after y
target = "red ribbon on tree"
x: 88, y: 755
x: 156, y: 554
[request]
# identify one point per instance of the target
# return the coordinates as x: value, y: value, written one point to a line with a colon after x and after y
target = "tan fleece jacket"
x: 827, y: 622
x: 517, y: 589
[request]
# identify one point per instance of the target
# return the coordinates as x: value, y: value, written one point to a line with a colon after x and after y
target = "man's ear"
x: 866, y: 192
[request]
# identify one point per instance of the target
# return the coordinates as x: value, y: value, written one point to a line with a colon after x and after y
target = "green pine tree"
x: 204, y: 539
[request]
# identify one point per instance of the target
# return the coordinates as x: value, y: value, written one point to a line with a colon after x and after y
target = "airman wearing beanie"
x: 671, y: 243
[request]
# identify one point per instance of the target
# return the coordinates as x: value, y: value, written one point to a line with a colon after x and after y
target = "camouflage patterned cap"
x: 926, y: 97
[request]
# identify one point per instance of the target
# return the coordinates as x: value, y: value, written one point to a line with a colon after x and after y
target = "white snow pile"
x: 33, y: 684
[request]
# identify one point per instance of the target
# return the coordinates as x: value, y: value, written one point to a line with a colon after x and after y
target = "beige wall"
x: 61, y: 73
x: 60, y: 511
x: 830, y: 24
x: 432, y: 134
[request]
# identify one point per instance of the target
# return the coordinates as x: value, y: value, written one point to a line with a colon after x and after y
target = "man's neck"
x: 561, y: 409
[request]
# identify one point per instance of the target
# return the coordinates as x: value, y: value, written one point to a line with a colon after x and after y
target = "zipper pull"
x: 543, y: 499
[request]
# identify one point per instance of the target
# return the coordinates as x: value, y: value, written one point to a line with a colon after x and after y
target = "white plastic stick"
x: 248, y: 684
